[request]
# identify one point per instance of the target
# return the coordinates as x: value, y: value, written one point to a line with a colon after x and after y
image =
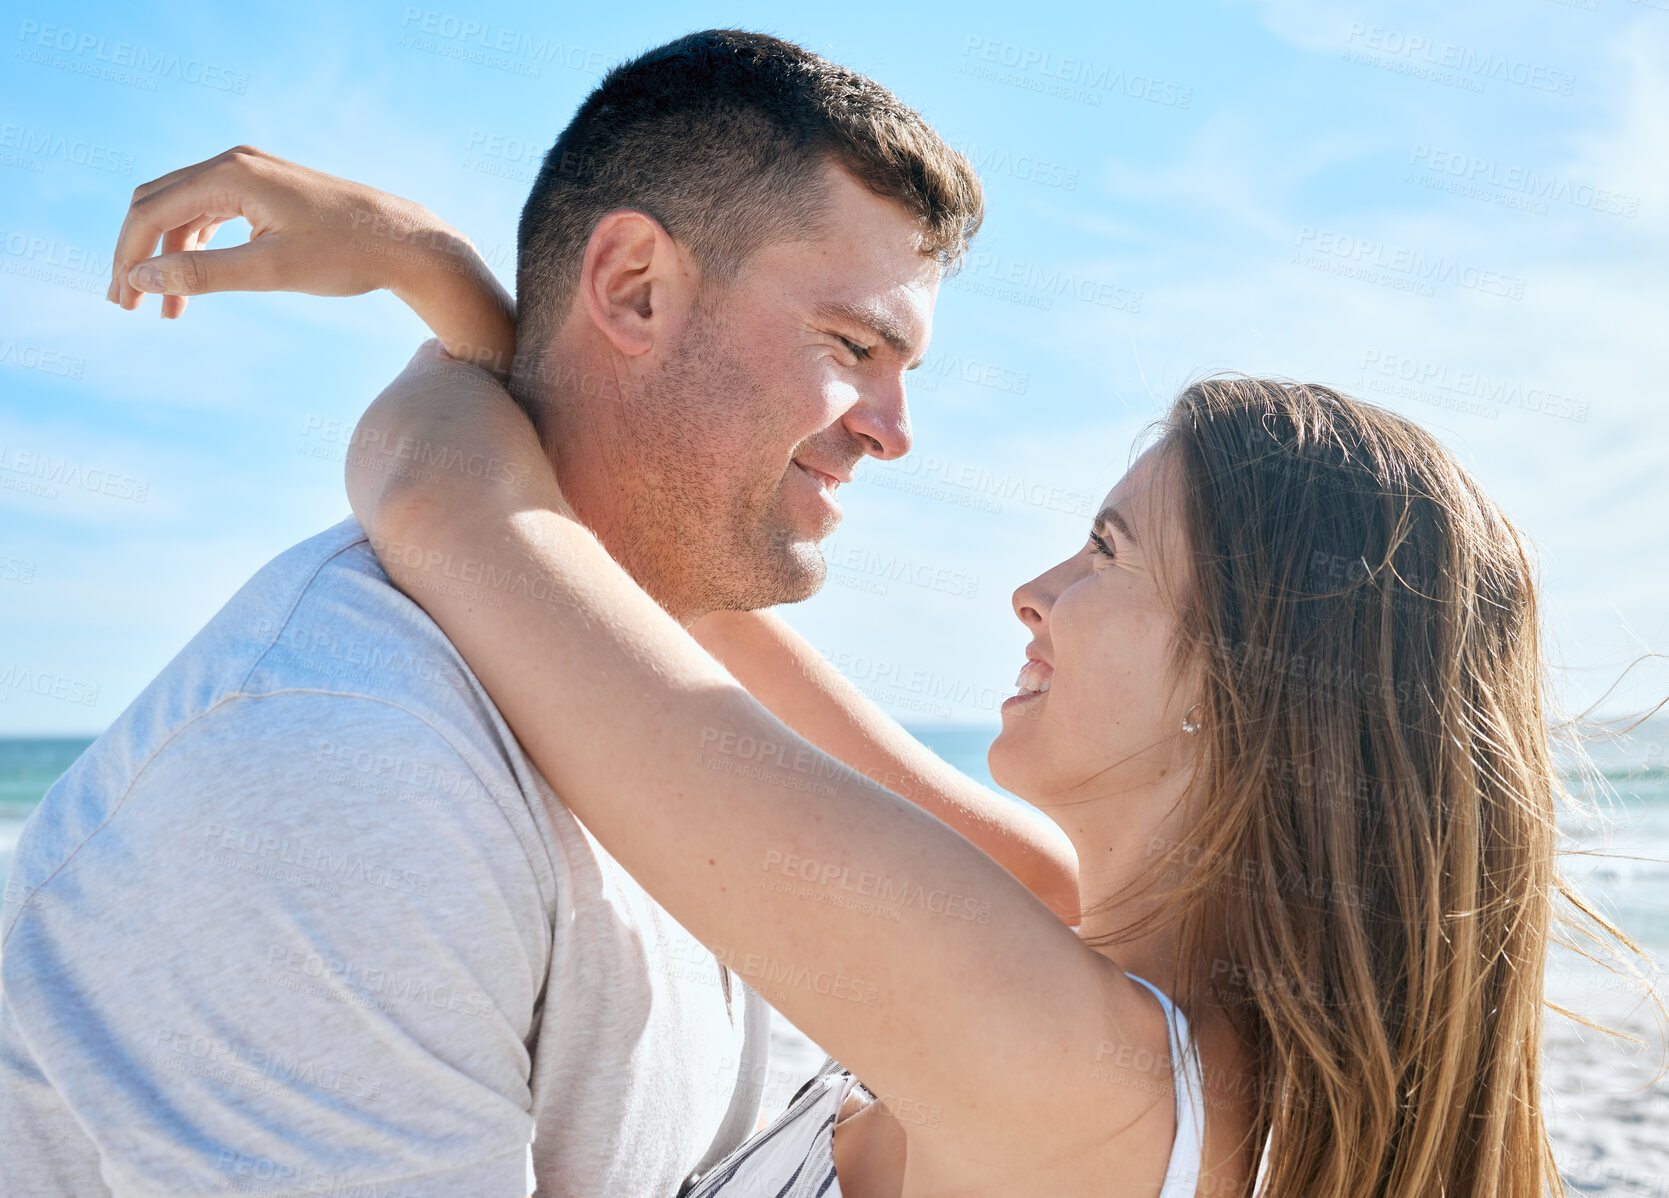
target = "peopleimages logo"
x: 1043, y: 283
x: 938, y: 366
x: 1463, y: 173
x: 46, y: 685
x: 38, y: 357
x: 891, y: 567
x: 149, y: 65
x: 469, y: 40
x: 1374, y: 261
x: 42, y: 474
x: 1486, y: 389
x: 1069, y: 77
x: 74, y: 151
x: 1428, y: 58
x: 47, y: 252
x: 990, y: 486
x: 16, y: 569
x: 1029, y: 167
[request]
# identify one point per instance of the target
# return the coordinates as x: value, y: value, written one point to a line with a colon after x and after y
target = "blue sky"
x: 1460, y: 211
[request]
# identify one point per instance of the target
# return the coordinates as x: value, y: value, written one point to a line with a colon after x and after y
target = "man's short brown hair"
x: 721, y: 136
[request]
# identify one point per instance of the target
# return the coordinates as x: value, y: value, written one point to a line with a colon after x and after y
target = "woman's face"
x: 1097, y: 713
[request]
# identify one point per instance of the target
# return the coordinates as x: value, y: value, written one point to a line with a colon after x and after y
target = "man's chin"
x: 786, y: 575
x: 799, y: 574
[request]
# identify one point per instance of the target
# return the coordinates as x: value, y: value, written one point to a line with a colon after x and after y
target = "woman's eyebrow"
x: 1110, y: 515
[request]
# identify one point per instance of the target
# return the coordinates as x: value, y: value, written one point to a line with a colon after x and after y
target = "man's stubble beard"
x: 698, y: 536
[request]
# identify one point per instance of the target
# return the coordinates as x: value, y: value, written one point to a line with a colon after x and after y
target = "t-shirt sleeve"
x: 303, y: 956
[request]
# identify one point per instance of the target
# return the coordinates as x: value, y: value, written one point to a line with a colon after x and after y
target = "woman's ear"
x: 634, y: 281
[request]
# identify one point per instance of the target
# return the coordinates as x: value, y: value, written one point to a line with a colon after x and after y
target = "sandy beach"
x: 1607, y: 1106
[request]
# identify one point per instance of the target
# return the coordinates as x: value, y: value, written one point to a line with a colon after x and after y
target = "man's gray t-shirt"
x: 306, y: 920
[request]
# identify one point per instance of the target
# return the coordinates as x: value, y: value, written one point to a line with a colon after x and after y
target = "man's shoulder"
x: 321, y: 617
x: 324, y: 616
x: 323, y: 679
x: 321, y: 625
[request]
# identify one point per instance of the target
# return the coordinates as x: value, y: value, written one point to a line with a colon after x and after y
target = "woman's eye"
x: 1102, y: 548
x: 860, y: 352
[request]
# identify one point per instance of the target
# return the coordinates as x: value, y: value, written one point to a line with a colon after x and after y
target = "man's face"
x: 780, y: 382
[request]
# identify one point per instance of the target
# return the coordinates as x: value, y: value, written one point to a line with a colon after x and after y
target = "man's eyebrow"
x: 1111, y: 515
x: 879, y: 323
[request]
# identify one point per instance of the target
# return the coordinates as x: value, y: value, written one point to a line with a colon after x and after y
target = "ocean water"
x: 27, y: 768
x: 1619, y: 854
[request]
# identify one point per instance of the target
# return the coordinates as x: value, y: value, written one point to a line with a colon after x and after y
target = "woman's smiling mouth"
x: 1031, y: 685
x: 1034, y: 678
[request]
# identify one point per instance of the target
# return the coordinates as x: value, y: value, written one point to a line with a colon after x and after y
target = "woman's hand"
x: 313, y: 233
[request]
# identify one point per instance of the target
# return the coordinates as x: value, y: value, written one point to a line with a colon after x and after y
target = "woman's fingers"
x: 173, y: 242
x: 196, y: 168
x: 309, y: 232
x: 225, y: 187
x: 191, y: 239
x: 114, y: 293
x: 247, y: 267
x: 165, y: 213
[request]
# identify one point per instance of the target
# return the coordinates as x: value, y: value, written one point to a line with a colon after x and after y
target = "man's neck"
x: 575, y: 400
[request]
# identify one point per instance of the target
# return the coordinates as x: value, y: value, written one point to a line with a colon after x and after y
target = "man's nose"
x: 881, y: 421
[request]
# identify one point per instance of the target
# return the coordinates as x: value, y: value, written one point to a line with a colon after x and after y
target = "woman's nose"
x: 1032, y: 601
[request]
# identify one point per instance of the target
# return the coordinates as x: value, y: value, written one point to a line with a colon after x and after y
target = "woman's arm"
x: 885, y: 934
x: 783, y: 671
x: 313, y: 233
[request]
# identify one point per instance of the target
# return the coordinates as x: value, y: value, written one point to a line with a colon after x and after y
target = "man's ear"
x: 634, y: 280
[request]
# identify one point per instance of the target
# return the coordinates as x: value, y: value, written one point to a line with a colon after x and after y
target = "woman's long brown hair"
x: 1369, y: 884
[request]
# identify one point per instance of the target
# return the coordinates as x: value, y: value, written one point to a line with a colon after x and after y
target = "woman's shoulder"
x: 1173, y: 1089
x: 1079, y: 1104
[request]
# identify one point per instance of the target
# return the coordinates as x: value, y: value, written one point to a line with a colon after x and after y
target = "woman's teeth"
x: 1034, y: 678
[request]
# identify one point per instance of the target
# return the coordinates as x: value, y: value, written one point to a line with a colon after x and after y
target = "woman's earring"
x: 1190, y: 725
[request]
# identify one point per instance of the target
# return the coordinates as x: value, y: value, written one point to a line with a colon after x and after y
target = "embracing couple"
x: 446, y: 861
